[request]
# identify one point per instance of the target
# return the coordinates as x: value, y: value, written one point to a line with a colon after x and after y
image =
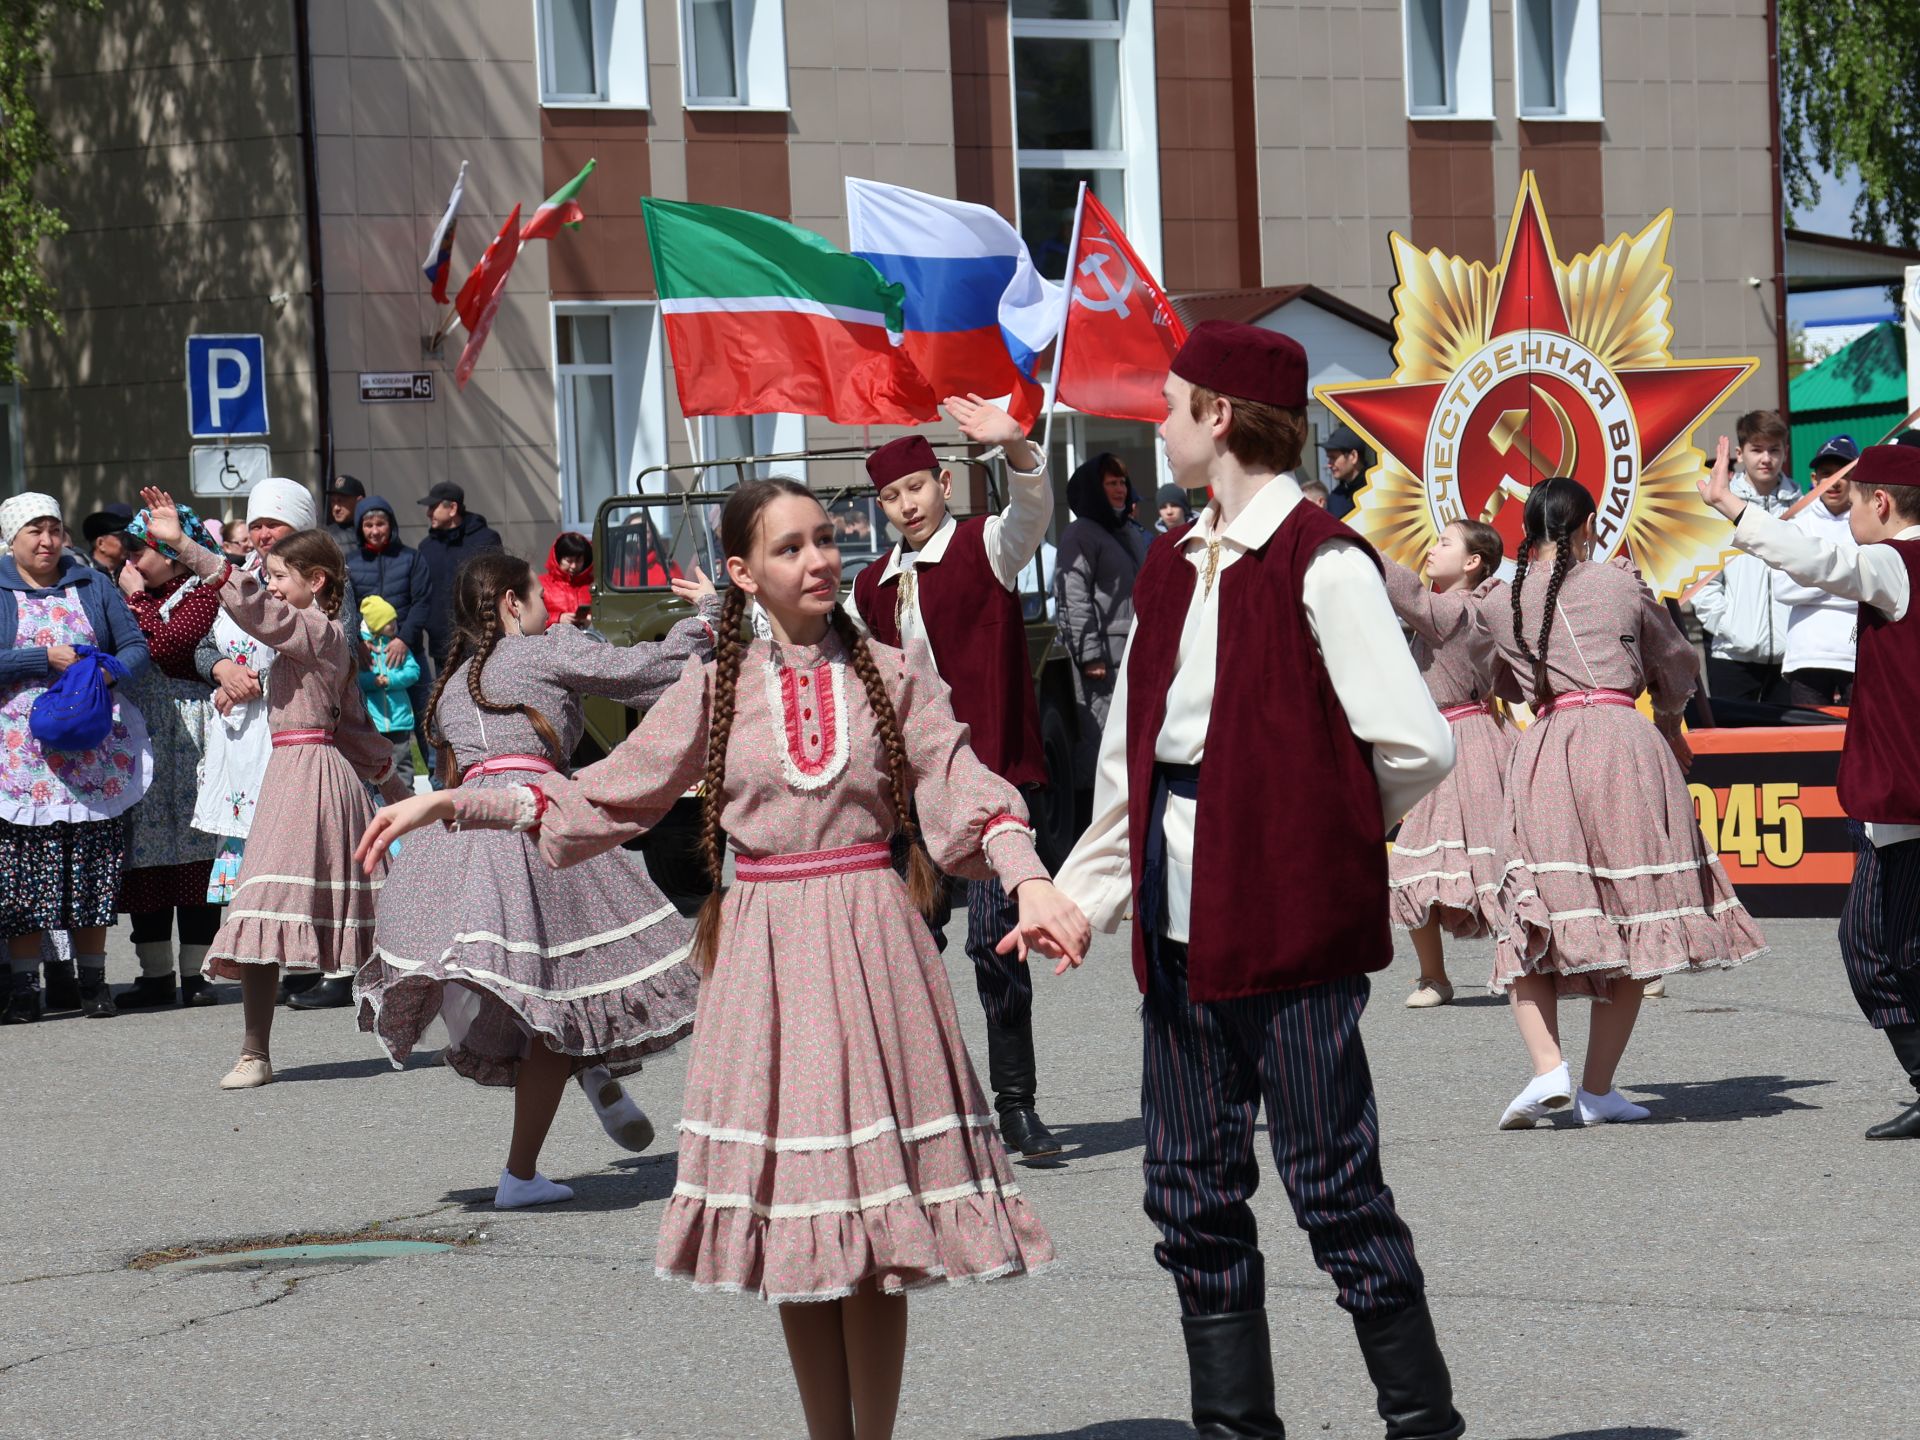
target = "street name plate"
x: 395, y: 387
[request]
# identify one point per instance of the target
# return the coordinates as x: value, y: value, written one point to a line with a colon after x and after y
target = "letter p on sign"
x: 226, y: 386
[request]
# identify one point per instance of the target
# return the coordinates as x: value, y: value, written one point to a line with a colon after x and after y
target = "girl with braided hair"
x: 836, y: 1147
x: 1600, y: 829
x: 299, y: 903
x: 1444, y: 873
x: 540, y: 974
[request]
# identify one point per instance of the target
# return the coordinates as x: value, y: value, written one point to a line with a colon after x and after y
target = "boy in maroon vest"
x: 1268, y: 724
x: 1879, y: 781
x: 952, y: 585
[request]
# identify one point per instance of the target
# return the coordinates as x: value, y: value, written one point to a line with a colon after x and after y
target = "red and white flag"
x: 479, y: 299
x: 1121, y: 332
x: 439, y: 262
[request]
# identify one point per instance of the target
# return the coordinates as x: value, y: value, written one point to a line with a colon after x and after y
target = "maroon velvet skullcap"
x: 1245, y: 363
x: 905, y: 456
x: 1886, y: 465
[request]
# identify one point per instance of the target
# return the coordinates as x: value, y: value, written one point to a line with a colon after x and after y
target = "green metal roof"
x: 1869, y: 373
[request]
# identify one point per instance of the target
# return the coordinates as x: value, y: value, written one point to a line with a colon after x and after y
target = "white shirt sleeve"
x: 1098, y: 875
x: 1874, y: 574
x: 1374, y: 674
x: 1013, y: 538
x: 853, y: 613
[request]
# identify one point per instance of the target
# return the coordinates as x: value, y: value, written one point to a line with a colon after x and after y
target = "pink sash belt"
x: 1586, y: 699
x: 1450, y: 713
x: 504, y: 764
x: 284, y: 738
x: 812, y: 864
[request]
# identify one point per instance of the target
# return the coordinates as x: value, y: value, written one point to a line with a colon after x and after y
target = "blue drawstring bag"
x: 76, y: 712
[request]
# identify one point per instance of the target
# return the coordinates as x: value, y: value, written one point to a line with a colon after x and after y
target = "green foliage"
x: 25, y: 297
x: 1850, y: 100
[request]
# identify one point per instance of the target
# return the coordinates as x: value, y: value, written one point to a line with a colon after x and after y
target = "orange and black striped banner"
x: 1766, y: 802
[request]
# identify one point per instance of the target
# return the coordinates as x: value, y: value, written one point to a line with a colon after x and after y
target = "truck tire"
x: 1055, y: 817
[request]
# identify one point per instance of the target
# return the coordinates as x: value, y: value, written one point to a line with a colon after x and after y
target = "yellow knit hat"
x: 377, y: 613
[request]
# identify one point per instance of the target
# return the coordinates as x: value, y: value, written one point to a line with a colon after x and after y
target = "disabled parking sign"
x: 226, y: 386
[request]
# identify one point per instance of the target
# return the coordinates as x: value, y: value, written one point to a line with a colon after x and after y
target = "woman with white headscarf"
x: 61, y: 834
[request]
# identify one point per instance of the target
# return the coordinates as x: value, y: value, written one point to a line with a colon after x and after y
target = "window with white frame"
x: 1449, y: 59
x: 610, y: 401
x: 1557, y: 59
x: 733, y: 53
x: 1083, y: 109
x: 592, y: 52
x: 734, y: 437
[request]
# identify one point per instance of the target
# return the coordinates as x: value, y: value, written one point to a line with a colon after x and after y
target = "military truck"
x: 641, y: 541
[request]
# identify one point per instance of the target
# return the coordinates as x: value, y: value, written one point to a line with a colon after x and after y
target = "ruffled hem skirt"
x: 1446, y: 862
x: 1608, y: 876
x: 835, y: 1132
x: 592, y: 958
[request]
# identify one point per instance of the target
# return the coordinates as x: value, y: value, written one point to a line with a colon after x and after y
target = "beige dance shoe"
x: 249, y: 1072
x: 620, y: 1114
x: 1429, y: 993
x: 1656, y: 988
x: 1544, y: 1093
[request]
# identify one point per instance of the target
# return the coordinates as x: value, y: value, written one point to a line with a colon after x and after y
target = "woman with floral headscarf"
x: 61, y: 832
x: 168, y: 861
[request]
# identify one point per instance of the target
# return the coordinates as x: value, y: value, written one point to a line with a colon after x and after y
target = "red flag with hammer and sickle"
x: 1121, y: 334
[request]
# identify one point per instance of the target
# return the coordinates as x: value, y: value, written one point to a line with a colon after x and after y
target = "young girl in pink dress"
x: 836, y: 1146
x: 1600, y: 828
x: 300, y: 903
x: 1444, y: 872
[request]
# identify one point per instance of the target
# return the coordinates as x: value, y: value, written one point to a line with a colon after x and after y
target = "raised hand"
x: 1716, y: 486
x: 163, y: 520
x: 693, y: 588
x: 982, y: 421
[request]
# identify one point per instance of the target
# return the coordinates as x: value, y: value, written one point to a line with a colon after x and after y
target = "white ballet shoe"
x: 1655, y: 989
x: 1429, y: 993
x: 620, y: 1114
x: 516, y: 1194
x: 1607, y: 1109
x: 1551, y: 1091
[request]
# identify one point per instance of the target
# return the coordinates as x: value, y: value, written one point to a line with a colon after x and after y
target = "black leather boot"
x: 1905, y: 1040
x: 96, y: 996
x: 22, y: 1005
x: 63, y: 990
x: 333, y: 993
x: 150, y: 992
x: 1010, y: 1071
x: 1230, y: 1376
x: 1409, y: 1374
x: 296, y: 983
x: 196, y: 990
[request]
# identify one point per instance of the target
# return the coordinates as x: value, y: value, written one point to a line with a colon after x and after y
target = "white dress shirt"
x: 1012, y: 538
x: 1872, y: 575
x: 1373, y: 674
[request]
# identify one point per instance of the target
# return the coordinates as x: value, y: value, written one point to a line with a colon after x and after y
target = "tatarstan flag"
x: 560, y: 208
x: 763, y: 317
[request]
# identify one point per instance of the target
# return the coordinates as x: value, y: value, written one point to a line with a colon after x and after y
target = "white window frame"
x: 1468, y: 63
x: 619, y: 57
x: 772, y: 434
x: 1138, y: 159
x: 1576, y: 57
x: 759, y: 58
x: 638, y: 368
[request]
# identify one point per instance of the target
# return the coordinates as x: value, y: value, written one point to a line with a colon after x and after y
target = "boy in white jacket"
x: 1737, y: 608
x: 1818, y: 663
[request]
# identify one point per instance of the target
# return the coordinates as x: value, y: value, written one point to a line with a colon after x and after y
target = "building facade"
x: 278, y: 168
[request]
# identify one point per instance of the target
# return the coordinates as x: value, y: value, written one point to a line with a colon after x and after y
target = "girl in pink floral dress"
x: 836, y: 1147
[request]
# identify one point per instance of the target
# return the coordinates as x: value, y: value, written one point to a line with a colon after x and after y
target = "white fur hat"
x: 284, y: 500
x: 19, y: 511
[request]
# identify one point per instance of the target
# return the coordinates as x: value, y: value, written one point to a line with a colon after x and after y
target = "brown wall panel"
x: 982, y: 104
x: 739, y: 159
x: 1565, y: 159
x: 1209, y: 168
x: 1450, y: 187
x: 606, y: 258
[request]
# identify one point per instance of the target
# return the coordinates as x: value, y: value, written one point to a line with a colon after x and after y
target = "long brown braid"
x: 477, y: 591
x: 1556, y: 509
x: 728, y: 651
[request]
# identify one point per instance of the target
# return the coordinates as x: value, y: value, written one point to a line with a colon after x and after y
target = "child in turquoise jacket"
x: 385, y: 685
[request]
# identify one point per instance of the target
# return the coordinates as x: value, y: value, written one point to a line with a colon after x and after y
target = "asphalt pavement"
x: 1739, y: 1267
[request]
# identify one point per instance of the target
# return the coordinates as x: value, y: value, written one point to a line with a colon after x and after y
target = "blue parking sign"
x: 226, y: 386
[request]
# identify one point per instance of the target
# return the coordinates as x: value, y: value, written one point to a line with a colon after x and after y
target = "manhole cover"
x: 357, y: 1252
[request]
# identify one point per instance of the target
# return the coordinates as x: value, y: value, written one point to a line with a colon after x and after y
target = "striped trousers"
x: 1208, y: 1069
x: 1880, y: 931
x: 1005, y: 985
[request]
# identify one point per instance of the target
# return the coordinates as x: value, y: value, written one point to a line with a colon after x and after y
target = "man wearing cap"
x: 1818, y: 661
x: 454, y: 536
x: 343, y: 497
x: 1266, y: 695
x: 1346, y: 470
x: 1175, y: 509
x: 953, y: 586
x: 105, y: 549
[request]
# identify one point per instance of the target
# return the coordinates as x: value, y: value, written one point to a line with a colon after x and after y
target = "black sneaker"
x: 196, y: 990
x: 149, y: 992
x: 96, y: 999
x: 63, y: 990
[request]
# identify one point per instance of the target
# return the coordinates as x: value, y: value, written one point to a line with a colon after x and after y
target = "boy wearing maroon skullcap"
x: 1266, y: 694
x: 953, y: 585
x: 1879, y: 783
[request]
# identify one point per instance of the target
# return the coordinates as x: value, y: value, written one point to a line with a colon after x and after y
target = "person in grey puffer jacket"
x: 1100, y: 554
x: 1737, y: 608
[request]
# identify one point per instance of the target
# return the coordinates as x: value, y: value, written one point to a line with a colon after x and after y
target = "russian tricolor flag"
x: 978, y: 314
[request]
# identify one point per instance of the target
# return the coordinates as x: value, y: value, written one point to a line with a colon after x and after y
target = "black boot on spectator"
x: 296, y: 984
x: 23, y: 1000
x: 149, y: 992
x: 96, y: 996
x: 335, y: 992
x: 63, y: 991
x: 197, y: 990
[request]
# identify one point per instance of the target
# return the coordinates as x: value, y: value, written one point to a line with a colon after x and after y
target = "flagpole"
x: 1060, y: 340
